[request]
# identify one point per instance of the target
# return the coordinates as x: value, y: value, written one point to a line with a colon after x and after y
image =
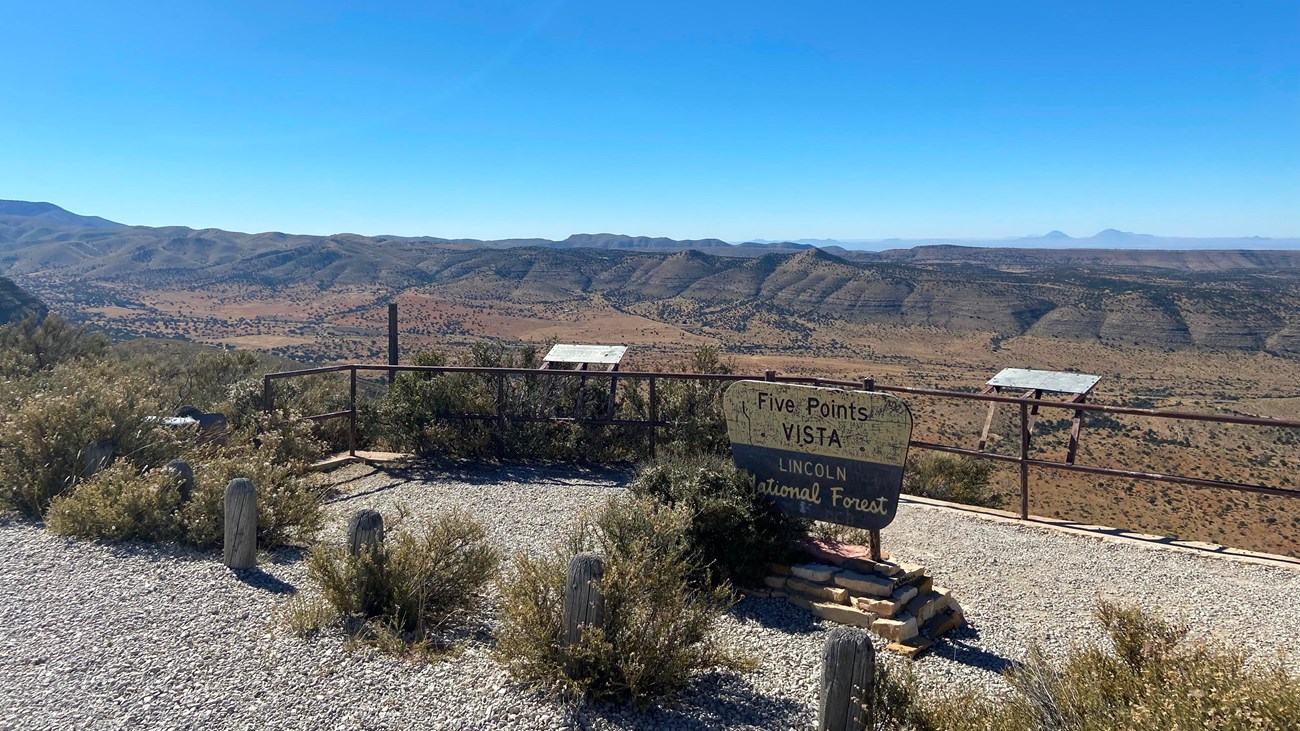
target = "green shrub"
x: 60, y: 412
x: 953, y: 478
x: 733, y: 531
x: 409, y: 412
x: 37, y: 344
x: 416, y: 586
x: 119, y: 503
x: 658, y: 624
x: 693, y: 409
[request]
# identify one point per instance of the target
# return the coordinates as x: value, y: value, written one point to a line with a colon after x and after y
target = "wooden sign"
x: 821, y: 453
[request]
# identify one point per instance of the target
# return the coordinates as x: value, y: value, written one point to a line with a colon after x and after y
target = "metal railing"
x: 652, y: 423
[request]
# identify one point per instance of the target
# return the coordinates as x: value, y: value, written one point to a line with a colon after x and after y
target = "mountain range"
x: 1232, y: 299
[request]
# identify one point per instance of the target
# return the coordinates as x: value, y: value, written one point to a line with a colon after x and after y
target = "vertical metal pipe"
x: 352, y: 413
x: 501, y: 415
x: 1024, y: 460
x: 392, y: 339
x: 266, y: 394
x: 654, y: 416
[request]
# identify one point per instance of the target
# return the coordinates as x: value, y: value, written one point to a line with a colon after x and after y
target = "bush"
x: 732, y: 531
x: 1149, y: 678
x: 37, y: 344
x: 413, y: 588
x: 119, y: 503
x: 410, y: 410
x: 693, y: 409
x: 955, y: 479
x: 658, y: 624
x: 60, y: 412
x: 124, y: 502
x: 288, y: 508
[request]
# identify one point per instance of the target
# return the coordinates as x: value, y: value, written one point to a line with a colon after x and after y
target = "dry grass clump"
x: 1149, y: 678
x: 658, y: 624
x: 407, y: 594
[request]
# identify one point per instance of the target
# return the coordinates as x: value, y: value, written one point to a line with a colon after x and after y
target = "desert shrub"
x: 415, y: 586
x: 693, y: 409
x: 408, y: 413
x: 732, y: 530
x: 119, y: 503
x: 952, y: 478
x: 124, y: 502
x: 288, y: 507
x: 1148, y: 678
x: 658, y: 624
x: 39, y: 343
x: 74, y: 404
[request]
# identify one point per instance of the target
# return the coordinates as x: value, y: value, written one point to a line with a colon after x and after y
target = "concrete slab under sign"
x: 594, y: 354
x: 1053, y: 381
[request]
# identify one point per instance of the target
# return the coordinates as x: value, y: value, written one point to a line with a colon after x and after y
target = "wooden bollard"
x: 365, y: 530
x: 183, y: 476
x: 848, y: 673
x: 96, y: 456
x: 241, y: 524
x: 584, y: 606
x: 366, y: 540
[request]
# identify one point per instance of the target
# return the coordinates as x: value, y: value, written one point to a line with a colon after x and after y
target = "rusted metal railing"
x: 652, y: 424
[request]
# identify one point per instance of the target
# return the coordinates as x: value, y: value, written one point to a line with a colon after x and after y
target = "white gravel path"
x: 137, y: 636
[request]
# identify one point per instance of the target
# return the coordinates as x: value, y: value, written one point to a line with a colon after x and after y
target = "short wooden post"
x: 241, y: 524
x: 183, y: 475
x: 848, y: 673
x: 96, y: 456
x: 365, y: 531
x: 584, y: 606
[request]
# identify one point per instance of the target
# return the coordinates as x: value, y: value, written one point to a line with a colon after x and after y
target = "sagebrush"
x: 419, y: 583
x: 658, y: 631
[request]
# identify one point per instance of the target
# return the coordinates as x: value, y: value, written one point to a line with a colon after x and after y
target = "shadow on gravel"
x: 259, y: 579
x: 777, y: 614
x: 716, y: 700
x: 538, y: 473
x: 957, y: 647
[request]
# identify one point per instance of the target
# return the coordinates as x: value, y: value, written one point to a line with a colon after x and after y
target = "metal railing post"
x: 266, y: 394
x: 1024, y: 461
x: 654, y: 416
x: 501, y: 415
x: 352, y: 414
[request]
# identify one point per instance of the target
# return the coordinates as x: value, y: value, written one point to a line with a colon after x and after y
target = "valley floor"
x: 136, y: 636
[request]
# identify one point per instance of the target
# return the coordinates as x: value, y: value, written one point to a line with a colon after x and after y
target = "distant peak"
x: 1055, y: 234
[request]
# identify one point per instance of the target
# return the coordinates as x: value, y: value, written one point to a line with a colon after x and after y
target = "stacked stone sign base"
x: 896, y: 601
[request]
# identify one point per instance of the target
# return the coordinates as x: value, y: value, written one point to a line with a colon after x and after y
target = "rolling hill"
x: 1238, y: 300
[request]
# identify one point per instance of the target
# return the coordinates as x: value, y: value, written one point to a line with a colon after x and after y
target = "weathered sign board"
x: 821, y: 453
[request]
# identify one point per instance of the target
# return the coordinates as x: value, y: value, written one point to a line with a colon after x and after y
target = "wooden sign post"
x: 821, y: 453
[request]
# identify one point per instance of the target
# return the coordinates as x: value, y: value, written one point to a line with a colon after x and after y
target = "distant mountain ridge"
x: 1237, y: 300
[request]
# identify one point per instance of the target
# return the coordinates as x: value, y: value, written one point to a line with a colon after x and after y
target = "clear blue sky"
x: 736, y: 120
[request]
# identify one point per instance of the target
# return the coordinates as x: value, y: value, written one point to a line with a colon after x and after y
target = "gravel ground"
x: 137, y: 636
